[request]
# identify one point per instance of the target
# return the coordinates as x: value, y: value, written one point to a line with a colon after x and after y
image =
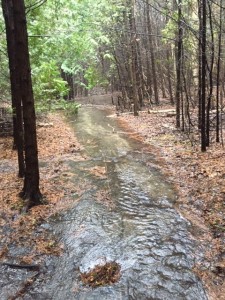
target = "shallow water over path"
x: 142, y: 231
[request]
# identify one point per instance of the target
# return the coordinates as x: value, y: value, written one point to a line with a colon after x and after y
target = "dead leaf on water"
x: 98, y: 171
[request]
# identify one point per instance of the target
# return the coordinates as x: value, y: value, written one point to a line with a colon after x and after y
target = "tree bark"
x: 203, y: 78
x: 218, y: 76
x: 14, y: 79
x: 178, y: 66
x: 152, y: 55
x: 31, y: 190
x: 200, y: 66
x: 169, y: 75
x: 210, y: 96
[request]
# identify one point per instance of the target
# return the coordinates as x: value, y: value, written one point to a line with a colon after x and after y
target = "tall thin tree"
x: 203, y: 77
x: 218, y: 75
x: 178, y: 65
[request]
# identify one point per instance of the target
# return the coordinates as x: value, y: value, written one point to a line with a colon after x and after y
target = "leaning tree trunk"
x: 31, y: 190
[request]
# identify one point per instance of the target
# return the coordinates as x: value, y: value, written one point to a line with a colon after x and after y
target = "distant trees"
x: 179, y: 53
x: 147, y: 49
x: 148, y: 57
x: 22, y: 94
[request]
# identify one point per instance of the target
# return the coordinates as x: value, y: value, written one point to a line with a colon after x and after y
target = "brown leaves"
x: 48, y: 246
x: 104, y: 197
x: 3, y: 251
x: 6, y: 148
x: 54, y: 143
x: 101, y: 275
x: 98, y: 171
x: 57, y: 139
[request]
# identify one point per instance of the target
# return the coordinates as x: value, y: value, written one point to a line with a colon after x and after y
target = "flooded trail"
x: 141, y: 230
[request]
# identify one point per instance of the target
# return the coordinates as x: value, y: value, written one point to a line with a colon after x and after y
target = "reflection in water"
x: 144, y: 233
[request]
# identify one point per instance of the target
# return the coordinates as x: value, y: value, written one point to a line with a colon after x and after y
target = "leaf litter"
x: 18, y: 229
x: 101, y: 275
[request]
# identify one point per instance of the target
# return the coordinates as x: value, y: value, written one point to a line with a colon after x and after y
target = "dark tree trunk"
x: 178, y: 65
x: 31, y: 190
x: 218, y: 76
x: 14, y: 79
x: 200, y: 66
x: 203, y: 61
x: 209, y: 103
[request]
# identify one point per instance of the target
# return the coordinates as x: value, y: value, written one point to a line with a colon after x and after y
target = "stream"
x: 139, y: 228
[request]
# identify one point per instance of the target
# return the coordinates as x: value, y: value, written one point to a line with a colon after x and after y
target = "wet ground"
x: 138, y: 228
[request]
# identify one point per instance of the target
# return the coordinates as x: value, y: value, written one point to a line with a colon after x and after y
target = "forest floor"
x: 199, y: 179
x: 56, y: 142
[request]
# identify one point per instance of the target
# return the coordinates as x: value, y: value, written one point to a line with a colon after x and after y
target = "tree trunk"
x: 139, y: 75
x: 14, y: 79
x: 210, y: 96
x: 203, y: 61
x: 134, y: 60
x: 31, y: 190
x: 200, y: 67
x: 170, y: 88
x: 218, y: 76
x: 152, y: 55
x: 178, y: 65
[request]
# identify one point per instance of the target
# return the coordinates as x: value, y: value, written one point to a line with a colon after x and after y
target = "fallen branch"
x: 19, y: 266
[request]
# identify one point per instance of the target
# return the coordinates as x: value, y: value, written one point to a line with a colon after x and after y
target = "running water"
x: 142, y: 231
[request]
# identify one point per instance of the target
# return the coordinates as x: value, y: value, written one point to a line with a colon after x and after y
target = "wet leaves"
x: 3, y: 251
x: 101, y: 275
x: 103, y: 196
x: 56, y: 143
x: 98, y: 171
